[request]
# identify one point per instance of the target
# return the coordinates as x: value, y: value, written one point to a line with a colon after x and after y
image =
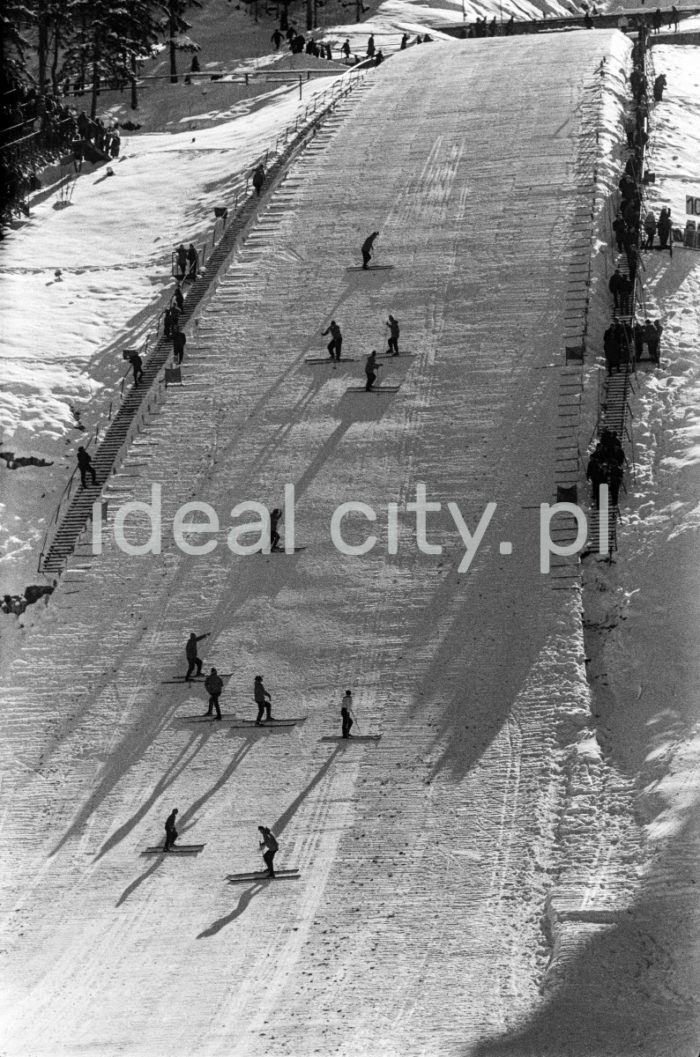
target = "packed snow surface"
x: 510, y: 869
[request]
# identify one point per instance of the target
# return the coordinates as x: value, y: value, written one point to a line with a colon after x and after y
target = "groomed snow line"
x: 507, y: 870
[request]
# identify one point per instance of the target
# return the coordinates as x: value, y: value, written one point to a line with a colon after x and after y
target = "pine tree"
x: 176, y: 24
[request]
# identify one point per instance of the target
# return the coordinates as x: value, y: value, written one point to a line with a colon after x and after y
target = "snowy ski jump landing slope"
x: 416, y: 926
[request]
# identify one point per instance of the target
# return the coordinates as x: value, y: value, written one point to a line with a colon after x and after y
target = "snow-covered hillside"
x: 509, y: 870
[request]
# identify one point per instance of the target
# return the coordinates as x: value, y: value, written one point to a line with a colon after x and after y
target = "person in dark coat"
x: 615, y: 286
x: 275, y: 518
x: 85, y: 466
x: 213, y: 684
x: 596, y: 473
x: 336, y: 343
x: 632, y: 262
x: 345, y: 48
x: 652, y: 337
x: 638, y: 337
x: 179, y: 342
x: 269, y: 843
x: 346, y: 714
x: 168, y: 323
x: 137, y: 365
x: 611, y: 349
x: 193, y: 659
x: 276, y: 38
x: 171, y: 833
x: 615, y: 475
x: 181, y: 253
x: 404, y: 42
x: 394, y: 331
x: 619, y: 227
x: 626, y: 291
x: 370, y: 46
x: 659, y: 85
x: 371, y: 368
x: 258, y: 179
x: 192, y: 261
x: 262, y: 700
x: 367, y: 247
x: 663, y: 227
x: 649, y: 230
x: 179, y: 298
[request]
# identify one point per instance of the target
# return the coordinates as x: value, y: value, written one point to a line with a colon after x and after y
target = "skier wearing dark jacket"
x: 367, y: 246
x: 171, y: 833
x: 262, y: 700
x: 269, y: 843
x: 347, y: 718
x: 336, y: 342
x: 213, y: 684
x: 371, y: 368
x: 393, y: 325
x: 193, y: 660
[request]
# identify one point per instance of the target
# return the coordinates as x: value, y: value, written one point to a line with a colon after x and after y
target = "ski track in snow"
x: 427, y: 859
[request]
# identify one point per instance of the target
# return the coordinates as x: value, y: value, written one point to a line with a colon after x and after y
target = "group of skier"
x: 269, y: 844
x: 213, y: 684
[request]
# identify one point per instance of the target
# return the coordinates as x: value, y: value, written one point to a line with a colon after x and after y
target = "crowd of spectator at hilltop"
x: 32, y: 139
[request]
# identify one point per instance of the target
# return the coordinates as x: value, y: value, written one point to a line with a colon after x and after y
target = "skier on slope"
x: 275, y: 518
x: 171, y: 833
x: 193, y: 660
x: 371, y: 368
x: 269, y: 843
x: 347, y: 716
x: 213, y: 684
x: 262, y: 700
x: 367, y: 247
x: 336, y: 342
x: 393, y: 325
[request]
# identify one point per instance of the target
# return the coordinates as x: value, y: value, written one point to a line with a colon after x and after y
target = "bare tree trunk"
x: 54, y: 63
x: 134, y: 96
x: 95, y: 85
x: 171, y: 29
x: 42, y: 57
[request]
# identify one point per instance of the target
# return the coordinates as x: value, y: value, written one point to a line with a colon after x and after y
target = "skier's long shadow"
x: 243, y: 903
